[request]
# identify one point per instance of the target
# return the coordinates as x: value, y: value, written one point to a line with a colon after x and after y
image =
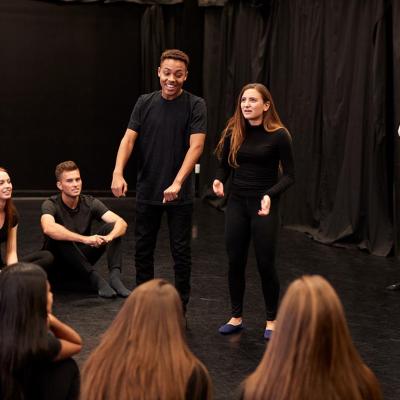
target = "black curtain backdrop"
x: 71, y: 74
x: 395, y: 34
x: 326, y: 64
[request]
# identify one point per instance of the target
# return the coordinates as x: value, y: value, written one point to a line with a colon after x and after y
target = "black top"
x: 164, y: 128
x: 79, y: 219
x: 31, y: 375
x: 259, y: 157
x: 4, y: 233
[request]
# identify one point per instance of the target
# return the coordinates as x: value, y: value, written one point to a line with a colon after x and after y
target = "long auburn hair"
x: 23, y: 324
x: 311, y: 354
x: 236, y: 126
x: 143, y: 355
x: 9, y: 209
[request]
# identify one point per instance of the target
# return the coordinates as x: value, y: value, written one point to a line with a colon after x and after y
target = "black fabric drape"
x: 152, y: 44
x: 143, y: 2
x: 232, y: 57
x: 395, y: 48
x: 72, y: 74
x: 326, y: 66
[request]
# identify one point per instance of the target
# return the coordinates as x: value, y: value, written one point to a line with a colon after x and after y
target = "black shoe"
x: 395, y: 286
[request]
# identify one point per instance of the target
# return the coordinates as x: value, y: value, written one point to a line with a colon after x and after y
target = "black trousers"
x: 82, y: 258
x: 242, y: 223
x: 43, y: 258
x: 148, y: 221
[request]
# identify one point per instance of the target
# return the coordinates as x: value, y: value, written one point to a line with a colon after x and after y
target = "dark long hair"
x: 143, y: 355
x: 236, y: 126
x: 23, y: 324
x: 311, y: 354
x: 9, y: 209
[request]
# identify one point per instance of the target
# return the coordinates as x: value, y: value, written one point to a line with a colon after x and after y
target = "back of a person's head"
x: 23, y: 321
x: 144, y: 349
x: 311, y: 354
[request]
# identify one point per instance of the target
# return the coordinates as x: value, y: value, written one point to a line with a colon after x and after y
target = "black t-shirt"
x: 4, y: 233
x: 164, y: 128
x: 79, y: 219
x: 33, y: 373
x: 259, y: 158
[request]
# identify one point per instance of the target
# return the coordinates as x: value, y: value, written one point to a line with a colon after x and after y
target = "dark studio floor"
x: 373, y: 314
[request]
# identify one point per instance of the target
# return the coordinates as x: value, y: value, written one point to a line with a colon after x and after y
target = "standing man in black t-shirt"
x: 168, y: 129
x: 66, y: 222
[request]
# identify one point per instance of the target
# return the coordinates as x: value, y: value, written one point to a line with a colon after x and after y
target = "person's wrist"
x: 178, y: 182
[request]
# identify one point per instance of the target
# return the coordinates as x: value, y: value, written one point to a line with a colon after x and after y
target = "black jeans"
x: 242, y: 223
x: 148, y: 220
x: 82, y: 257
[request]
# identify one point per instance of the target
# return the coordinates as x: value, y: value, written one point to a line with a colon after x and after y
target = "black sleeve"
x: 198, y: 122
x: 286, y: 159
x: 135, y: 120
x: 198, y: 384
x: 224, y: 169
x: 98, y: 209
x: 48, y: 207
x: 54, y: 347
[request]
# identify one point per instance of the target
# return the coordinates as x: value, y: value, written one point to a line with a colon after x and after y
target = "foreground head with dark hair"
x: 145, y: 351
x: 311, y: 355
x: 25, y: 345
x: 23, y: 323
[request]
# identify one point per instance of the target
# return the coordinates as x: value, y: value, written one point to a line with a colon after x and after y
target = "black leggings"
x: 43, y: 258
x: 241, y: 223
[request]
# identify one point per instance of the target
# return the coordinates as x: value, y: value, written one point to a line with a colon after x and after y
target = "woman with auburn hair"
x: 9, y: 226
x: 256, y: 149
x: 312, y: 355
x: 35, y: 347
x: 143, y: 355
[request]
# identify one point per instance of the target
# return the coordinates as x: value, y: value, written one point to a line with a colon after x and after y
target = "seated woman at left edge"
x: 9, y: 227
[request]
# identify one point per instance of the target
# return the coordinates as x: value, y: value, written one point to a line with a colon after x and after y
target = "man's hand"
x: 171, y: 193
x: 94, y: 241
x: 107, y: 238
x: 119, y: 186
x: 218, y: 188
x: 265, y: 206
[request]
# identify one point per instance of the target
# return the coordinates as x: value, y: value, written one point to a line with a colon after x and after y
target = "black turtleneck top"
x: 259, y: 158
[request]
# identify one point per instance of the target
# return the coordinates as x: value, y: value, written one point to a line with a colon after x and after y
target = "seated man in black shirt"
x: 66, y: 222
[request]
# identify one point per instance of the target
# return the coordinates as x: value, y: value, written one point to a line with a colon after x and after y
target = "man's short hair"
x: 65, y: 166
x: 175, y: 54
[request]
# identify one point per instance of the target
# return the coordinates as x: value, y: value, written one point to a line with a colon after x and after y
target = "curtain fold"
x: 326, y: 66
x: 152, y: 44
x: 395, y: 131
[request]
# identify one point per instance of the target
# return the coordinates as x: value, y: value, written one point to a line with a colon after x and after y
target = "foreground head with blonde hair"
x: 311, y: 355
x: 143, y: 355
